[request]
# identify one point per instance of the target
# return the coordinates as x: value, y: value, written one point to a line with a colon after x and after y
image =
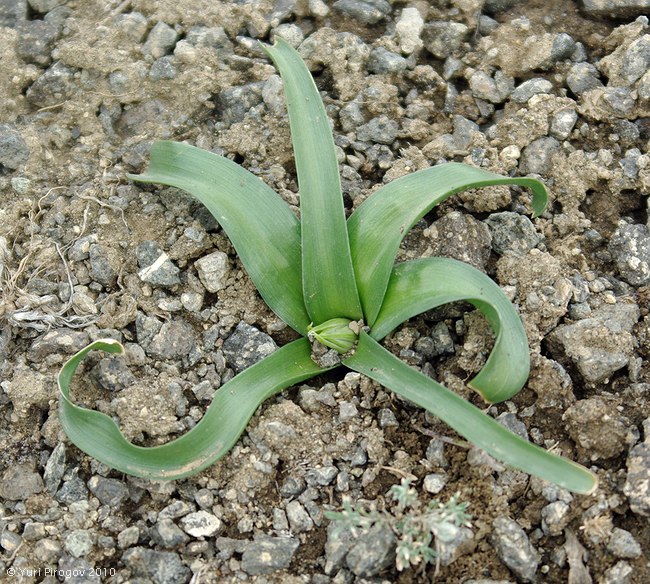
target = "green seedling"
x: 420, y: 530
x: 336, y: 283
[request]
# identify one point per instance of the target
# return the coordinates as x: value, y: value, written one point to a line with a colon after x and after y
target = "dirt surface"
x: 546, y: 89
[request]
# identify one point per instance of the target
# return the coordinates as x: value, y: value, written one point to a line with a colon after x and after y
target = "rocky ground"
x: 559, y: 90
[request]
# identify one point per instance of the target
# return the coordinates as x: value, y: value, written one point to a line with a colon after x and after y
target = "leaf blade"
x: 379, y: 224
x: 373, y: 360
x: 329, y: 286
x: 224, y: 420
x: 253, y: 216
x: 420, y: 285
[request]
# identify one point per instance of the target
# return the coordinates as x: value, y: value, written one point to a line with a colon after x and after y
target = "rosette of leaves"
x: 335, y: 282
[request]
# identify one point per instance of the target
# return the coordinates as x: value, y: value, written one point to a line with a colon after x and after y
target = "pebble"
x: 623, y: 545
x: 113, y: 374
x: 79, y: 542
x: 155, y: 266
x: 160, y: 40
x: 201, y: 524
x: 291, y: 33
x: 514, y: 548
x: 563, y: 123
x: 299, y: 519
x: 536, y: 158
x: 434, y: 482
x: 35, y: 42
x: 267, y: 554
x: 441, y: 37
x: 54, y: 86
x: 65, y: 341
x: 246, y: 346
x: 54, y: 468
x: 167, y: 534
x: 128, y: 537
x: 522, y: 93
x: 322, y: 476
x: 213, y: 271
x: 630, y: 250
x: 387, y: 419
x: 372, y: 552
x: 563, y: 47
x: 383, y: 61
x: 637, y: 482
x: 111, y: 492
x: 101, y: 269
x: 409, y: 28
x: 163, y: 68
x: 10, y: 541
x: 599, y: 345
x: 583, y: 77
x: 555, y: 517
x: 347, y: 411
x: 133, y: 25
x: 72, y: 490
x: 619, y: 573
x: 44, y: 6
x: 512, y: 233
x: 493, y: 89
x: 615, y: 8
x: 174, y: 340
x: 13, y: 148
x: 161, y: 567
x: 381, y: 130
x: 363, y: 11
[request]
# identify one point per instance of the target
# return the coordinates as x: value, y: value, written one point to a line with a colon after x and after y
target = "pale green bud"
x: 339, y: 334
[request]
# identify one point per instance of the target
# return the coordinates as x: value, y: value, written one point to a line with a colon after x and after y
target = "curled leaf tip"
x: 340, y: 334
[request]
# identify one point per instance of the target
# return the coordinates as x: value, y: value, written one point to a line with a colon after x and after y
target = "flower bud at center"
x: 340, y: 334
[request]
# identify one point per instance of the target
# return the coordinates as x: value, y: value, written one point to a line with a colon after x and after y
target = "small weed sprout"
x: 420, y: 528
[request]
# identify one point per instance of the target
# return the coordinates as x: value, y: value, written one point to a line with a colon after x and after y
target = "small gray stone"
x: 555, y: 517
x: 637, y: 482
x: 267, y: 554
x: 408, y: 29
x: 630, y: 250
x: 10, y: 541
x: 133, y: 25
x: 463, y: 134
x: 347, y: 411
x: 79, y: 543
x: 441, y: 37
x: 527, y: 89
x: 167, y: 534
x: 619, y: 573
x: 619, y: 99
x: 72, y: 490
x: 160, y: 41
x: 113, y: 374
x: 36, y: 39
x: 54, y: 468
x: 61, y: 341
x: 512, y: 233
x: 174, y: 340
x: 493, y: 90
x: 364, y: 11
x: 213, y: 271
x: 514, y: 548
x: 563, y: 47
x: 128, y: 537
x: 161, y: 567
x: 214, y: 37
x: 101, y: 269
x: 163, y: 68
x: 155, y: 266
x: 80, y: 249
x: 80, y: 570
x: 387, y: 419
x: 536, y: 158
x: 514, y: 424
x: 201, y: 524
x: 583, y: 77
x: 111, y: 492
x: 298, y: 517
x: 291, y: 33
x: 636, y: 60
x: 623, y: 545
x: 616, y: 8
x: 495, y: 6
x: 13, y: 149
x: 246, y: 346
x: 372, y: 552
x: 383, y: 61
x: 562, y: 123
x: 381, y: 130
x: 12, y: 12
x: 54, y: 86
x: 234, y: 103
x: 322, y: 476
x: 43, y: 6
x: 434, y: 482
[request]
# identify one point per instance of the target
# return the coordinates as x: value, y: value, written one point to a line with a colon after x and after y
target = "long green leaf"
x: 224, y: 421
x: 424, y: 284
x: 329, y: 286
x: 373, y: 360
x: 380, y: 223
x: 252, y: 214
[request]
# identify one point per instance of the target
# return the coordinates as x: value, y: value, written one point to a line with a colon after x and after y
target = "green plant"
x: 416, y: 526
x: 335, y: 283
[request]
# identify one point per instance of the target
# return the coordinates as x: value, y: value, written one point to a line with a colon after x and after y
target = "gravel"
x: 85, y: 254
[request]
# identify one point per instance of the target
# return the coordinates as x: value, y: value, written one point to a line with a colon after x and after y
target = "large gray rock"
x: 246, y: 346
x: 514, y: 548
x: 268, y: 554
x: 599, y: 345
